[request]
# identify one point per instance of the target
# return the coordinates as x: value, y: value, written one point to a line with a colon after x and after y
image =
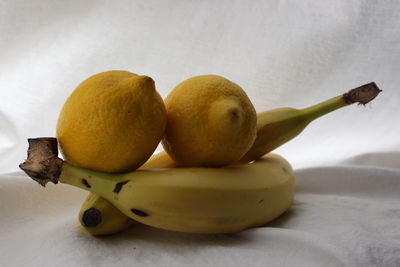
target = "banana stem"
x: 85, y: 179
x: 361, y: 95
x: 43, y: 165
x: 323, y: 108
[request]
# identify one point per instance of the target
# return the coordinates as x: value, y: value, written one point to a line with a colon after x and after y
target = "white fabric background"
x: 283, y: 53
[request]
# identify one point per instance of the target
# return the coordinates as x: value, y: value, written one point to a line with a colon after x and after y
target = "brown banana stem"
x: 362, y: 94
x: 43, y: 164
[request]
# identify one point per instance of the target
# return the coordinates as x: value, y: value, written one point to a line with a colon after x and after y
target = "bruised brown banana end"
x: 43, y: 164
x: 362, y: 94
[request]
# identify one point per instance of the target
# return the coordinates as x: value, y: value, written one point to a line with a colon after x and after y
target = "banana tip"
x: 362, y: 94
x: 42, y: 163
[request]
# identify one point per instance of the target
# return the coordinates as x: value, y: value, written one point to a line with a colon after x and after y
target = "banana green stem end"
x: 43, y: 164
x: 361, y: 95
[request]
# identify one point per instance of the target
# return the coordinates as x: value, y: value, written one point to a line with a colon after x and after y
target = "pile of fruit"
x: 215, y: 175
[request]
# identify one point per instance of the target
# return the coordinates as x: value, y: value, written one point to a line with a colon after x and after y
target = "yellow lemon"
x: 112, y: 122
x: 210, y: 122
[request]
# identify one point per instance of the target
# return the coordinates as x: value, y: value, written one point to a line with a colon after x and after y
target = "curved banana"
x: 274, y: 128
x: 195, y: 200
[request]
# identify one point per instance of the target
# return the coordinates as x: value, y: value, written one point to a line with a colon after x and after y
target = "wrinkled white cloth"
x: 283, y: 53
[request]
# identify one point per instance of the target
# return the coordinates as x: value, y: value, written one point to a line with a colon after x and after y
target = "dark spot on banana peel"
x: 119, y: 186
x: 139, y: 213
x: 86, y: 183
x: 91, y: 217
x: 261, y: 200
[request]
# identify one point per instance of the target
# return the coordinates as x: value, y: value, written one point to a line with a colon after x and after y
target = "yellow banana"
x: 195, y: 200
x: 278, y: 126
x: 274, y: 128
